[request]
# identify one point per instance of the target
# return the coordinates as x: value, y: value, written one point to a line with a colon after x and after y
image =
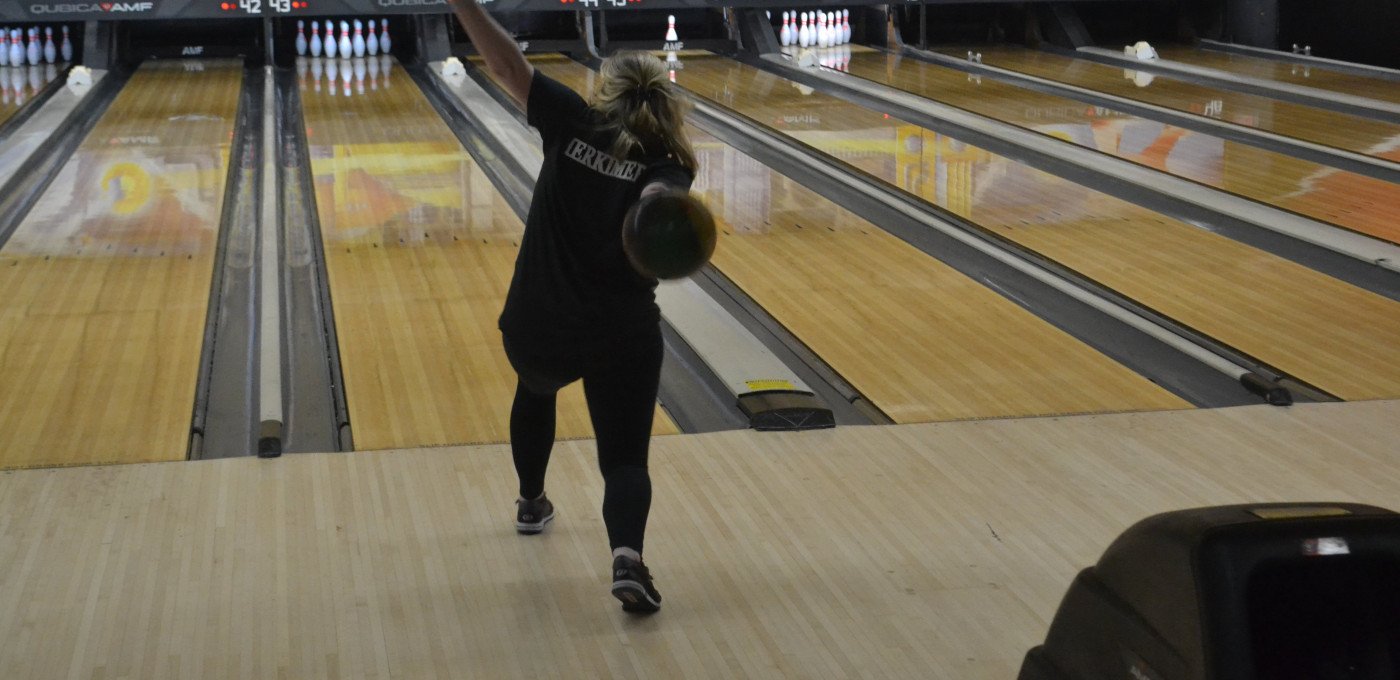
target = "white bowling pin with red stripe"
x: 345, y: 48
x: 358, y: 42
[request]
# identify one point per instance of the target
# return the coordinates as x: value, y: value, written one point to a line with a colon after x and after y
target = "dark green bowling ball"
x: 668, y: 235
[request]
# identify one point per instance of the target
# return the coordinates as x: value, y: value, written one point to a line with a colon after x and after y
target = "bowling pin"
x: 846, y: 24
x: 315, y: 39
x: 359, y: 41
x: 671, y: 28
x: 50, y: 49
x: 386, y: 45
x: 301, y: 39
x: 66, y: 49
x: 372, y: 41
x: 345, y: 47
x: 804, y: 35
x: 785, y: 35
x: 329, y: 43
x: 5, y: 50
x: 16, y: 48
x: 35, y: 52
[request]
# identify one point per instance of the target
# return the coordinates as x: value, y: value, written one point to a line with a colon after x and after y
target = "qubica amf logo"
x: 410, y: 3
x: 92, y: 7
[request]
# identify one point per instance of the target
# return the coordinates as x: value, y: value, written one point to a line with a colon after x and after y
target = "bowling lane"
x: 420, y: 249
x: 1284, y: 72
x: 1333, y: 335
x: 1362, y: 204
x: 1340, y: 130
x: 20, y: 84
x: 105, y: 285
x: 920, y: 340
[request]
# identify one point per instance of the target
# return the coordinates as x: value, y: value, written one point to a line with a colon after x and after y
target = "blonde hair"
x: 638, y: 101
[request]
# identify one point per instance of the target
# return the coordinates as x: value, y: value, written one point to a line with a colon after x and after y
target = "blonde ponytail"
x: 639, y: 103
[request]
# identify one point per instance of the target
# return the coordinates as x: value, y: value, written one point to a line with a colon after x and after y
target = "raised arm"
x: 503, y: 56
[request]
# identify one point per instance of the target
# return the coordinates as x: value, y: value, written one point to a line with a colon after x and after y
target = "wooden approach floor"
x: 910, y: 551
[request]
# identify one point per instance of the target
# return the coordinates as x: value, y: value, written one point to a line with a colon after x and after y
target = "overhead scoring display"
x: 107, y: 10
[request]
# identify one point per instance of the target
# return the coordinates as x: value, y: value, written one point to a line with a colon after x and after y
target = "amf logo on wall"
x: 92, y: 7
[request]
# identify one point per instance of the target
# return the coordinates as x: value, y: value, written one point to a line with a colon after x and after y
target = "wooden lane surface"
x: 910, y: 551
x: 1319, y: 77
x: 420, y: 249
x: 1362, y: 204
x: 1333, y: 335
x: 1340, y: 130
x: 19, y: 85
x: 105, y: 285
x: 920, y: 340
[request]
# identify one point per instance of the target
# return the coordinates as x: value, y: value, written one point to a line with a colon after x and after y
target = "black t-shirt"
x: 572, y: 280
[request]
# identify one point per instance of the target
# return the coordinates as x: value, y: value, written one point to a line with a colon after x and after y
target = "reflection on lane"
x: 1340, y: 130
x: 920, y: 340
x: 19, y: 84
x: 1326, y: 332
x: 104, y: 287
x: 1285, y: 72
x: 1363, y: 204
x: 420, y: 249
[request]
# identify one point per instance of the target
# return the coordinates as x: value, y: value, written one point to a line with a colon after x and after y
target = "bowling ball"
x: 668, y: 235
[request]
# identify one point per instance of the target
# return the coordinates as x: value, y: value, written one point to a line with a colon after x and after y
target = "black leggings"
x: 620, y: 381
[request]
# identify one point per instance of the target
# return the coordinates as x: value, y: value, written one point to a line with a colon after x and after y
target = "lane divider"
x: 270, y: 418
